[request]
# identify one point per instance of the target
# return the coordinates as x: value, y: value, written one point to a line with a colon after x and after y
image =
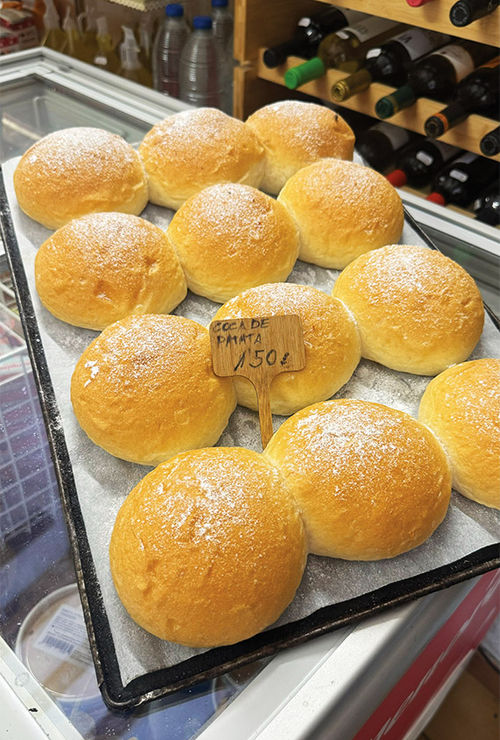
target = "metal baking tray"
x: 152, y: 684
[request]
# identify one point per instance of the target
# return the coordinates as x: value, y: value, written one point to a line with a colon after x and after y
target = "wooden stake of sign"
x: 258, y: 348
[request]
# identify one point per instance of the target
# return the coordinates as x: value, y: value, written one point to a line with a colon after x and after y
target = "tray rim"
x: 158, y: 683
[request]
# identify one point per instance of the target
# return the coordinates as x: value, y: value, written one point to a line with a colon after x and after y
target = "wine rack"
x: 259, y: 23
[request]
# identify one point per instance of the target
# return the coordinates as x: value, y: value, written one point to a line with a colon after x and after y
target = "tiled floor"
x: 471, y: 709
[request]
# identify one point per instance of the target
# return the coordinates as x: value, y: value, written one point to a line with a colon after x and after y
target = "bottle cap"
x: 174, y: 10
x: 310, y: 70
x: 273, y: 58
x: 351, y: 85
x: 202, y: 22
x: 219, y: 3
x: 387, y: 106
x: 436, y: 198
x: 397, y: 178
x: 461, y: 14
x: 436, y: 126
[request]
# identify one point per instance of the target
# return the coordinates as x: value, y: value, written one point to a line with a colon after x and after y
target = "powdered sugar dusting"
x: 65, y: 150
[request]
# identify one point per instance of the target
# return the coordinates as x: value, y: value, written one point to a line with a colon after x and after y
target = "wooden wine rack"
x: 260, y: 23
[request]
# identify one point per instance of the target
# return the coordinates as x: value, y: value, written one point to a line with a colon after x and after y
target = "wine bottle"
x: 487, y: 206
x: 379, y: 144
x: 344, y: 49
x: 390, y: 62
x: 418, y: 163
x: 479, y: 93
x: 436, y: 75
x: 466, y: 11
x: 309, y: 32
x: 461, y: 180
x: 490, y: 143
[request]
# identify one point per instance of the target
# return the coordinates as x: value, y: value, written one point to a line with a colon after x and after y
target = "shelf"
x: 433, y: 15
x: 466, y: 135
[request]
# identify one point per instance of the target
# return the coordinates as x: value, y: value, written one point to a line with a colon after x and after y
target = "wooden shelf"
x: 435, y: 15
x: 466, y: 135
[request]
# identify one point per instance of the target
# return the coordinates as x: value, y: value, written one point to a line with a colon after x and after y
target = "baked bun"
x: 462, y: 407
x: 102, y: 267
x: 370, y: 481
x: 417, y: 310
x: 295, y: 134
x: 145, y: 389
x: 76, y: 171
x: 342, y: 209
x: 209, y: 548
x: 231, y: 237
x: 191, y: 150
x: 331, y: 340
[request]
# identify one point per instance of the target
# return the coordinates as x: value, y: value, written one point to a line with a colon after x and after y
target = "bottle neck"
x: 438, y: 124
x: 351, y: 85
x: 401, y: 98
x: 310, y: 70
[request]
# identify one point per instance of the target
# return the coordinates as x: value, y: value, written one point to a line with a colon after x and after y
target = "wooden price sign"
x: 258, y: 349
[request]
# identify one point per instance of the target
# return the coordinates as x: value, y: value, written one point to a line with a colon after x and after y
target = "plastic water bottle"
x: 201, y: 72
x: 168, y: 44
x: 222, y: 25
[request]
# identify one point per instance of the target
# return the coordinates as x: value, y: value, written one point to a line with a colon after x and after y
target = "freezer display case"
x: 380, y: 678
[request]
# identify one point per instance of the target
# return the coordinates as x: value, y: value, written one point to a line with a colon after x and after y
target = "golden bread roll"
x: 342, y: 209
x: 417, y: 310
x: 231, y: 237
x: 331, y: 340
x: 99, y: 268
x: 209, y: 548
x: 191, y: 150
x: 76, y: 171
x: 145, y: 389
x: 295, y: 134
x: 370, y: 481
x: 462, y: 407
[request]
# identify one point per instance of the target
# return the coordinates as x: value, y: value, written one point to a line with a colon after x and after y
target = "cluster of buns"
x: 226, y: 531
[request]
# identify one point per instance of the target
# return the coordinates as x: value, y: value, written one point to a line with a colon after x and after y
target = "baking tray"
x: 153, y: 684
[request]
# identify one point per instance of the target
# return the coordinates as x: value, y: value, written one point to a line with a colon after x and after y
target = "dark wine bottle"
x: 379, y: 144
x: 418, y: 163
x: 344, y: 49
x: 309, y: 33
x: 479, y: 93
x: 390, y: 62
x: 466, y: 11
x: 490, y: 143
x: 436, y: 75
x: 462, y: 179
x: 487, y: 206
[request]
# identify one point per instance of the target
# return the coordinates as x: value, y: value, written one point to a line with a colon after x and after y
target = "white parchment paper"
x: 103, y: 481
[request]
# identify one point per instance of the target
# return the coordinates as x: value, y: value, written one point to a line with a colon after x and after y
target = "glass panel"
x: 33, y: 107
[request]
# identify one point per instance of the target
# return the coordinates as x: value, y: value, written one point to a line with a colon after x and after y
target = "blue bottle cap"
x: 219, y: 3
x: 174, y: 10
x: 203, y: 22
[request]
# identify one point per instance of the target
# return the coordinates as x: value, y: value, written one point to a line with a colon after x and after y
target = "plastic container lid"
x: 436, y: 198
x: 397, y: 178
x: 174, y: 10
x: 202, y: 22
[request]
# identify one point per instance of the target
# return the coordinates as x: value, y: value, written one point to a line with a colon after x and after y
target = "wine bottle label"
x: 424, y: 157
x: 397, y: 136
x: 418, y: 41
x: 366, y: 30
x: 458, y: 174
x: 462, y: 62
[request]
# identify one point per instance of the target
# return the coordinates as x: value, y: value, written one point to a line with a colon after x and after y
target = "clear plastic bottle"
x: 130, y: 66
x: 201, y: 71
x: 222, y: 26
x: 168, y: 45
x: 106, y: 57
x: 53, y: 36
